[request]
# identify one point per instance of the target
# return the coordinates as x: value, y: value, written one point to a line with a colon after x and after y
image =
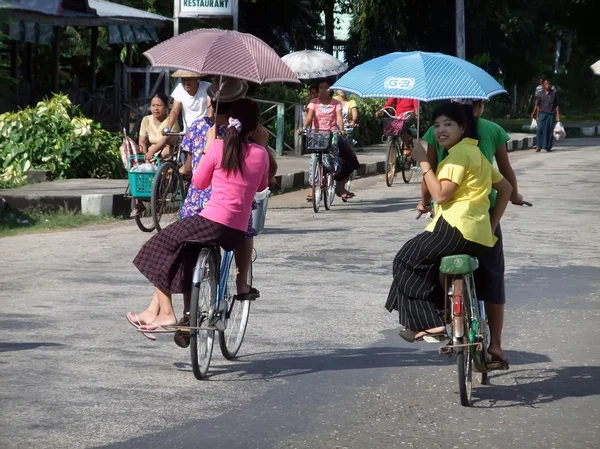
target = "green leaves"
x: 54, y: 135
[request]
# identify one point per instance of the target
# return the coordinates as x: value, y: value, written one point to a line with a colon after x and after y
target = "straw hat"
x: 185, y: 74
x: 232, y: 89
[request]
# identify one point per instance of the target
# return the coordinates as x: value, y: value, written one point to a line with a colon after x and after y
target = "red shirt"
x: 402, y: 105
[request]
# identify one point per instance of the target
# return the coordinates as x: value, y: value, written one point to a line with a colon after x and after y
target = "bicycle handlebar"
x: 173, y: 134
x: 402, y: 116
x: 428, y: 213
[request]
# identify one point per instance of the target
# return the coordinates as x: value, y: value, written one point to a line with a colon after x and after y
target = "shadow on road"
x: 533, y: 387
x: 12, y: 347
x: 288, y: 231
x: 290, y: 364
x: 382, y: 206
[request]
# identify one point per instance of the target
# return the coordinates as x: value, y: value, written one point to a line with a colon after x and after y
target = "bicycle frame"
x: 470, y: 308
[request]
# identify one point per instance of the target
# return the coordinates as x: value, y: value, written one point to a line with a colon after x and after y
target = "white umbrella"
x: 596, y: 67
x: 310, y: 64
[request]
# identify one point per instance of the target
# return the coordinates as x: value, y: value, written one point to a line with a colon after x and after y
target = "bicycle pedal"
x: 434, y: 338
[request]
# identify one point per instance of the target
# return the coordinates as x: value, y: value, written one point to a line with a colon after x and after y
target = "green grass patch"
x: 15, y: 222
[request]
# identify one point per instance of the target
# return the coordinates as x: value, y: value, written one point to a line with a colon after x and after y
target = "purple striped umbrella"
x: 222, y: 52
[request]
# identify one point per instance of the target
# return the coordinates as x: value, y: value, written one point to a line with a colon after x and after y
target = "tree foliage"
x: 513, y: 40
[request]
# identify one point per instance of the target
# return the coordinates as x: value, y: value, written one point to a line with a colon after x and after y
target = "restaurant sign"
x: 206, y: 8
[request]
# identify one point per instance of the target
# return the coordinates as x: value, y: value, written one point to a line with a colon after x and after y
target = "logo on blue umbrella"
x: 399, y: 83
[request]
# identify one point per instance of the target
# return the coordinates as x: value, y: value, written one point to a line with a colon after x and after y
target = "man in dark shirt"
x: 546, y: 105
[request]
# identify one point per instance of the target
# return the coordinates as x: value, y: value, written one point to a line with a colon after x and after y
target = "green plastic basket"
x: 140, y: 183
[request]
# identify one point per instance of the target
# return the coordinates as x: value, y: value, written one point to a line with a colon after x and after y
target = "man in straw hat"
x: 190, y: 97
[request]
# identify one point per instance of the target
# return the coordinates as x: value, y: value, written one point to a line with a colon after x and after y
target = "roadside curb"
x: 299, y: 180
x: 118, y: 205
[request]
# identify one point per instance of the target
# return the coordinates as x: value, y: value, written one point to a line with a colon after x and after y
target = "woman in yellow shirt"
x: 462, y: 223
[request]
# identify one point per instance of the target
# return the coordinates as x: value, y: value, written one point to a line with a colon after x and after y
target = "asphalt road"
x: 322, y: 365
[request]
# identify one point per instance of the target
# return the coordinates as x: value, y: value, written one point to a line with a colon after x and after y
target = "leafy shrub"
x: 55, y: 136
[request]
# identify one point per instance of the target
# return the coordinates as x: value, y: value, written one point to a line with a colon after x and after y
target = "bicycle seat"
x: 459, y: 264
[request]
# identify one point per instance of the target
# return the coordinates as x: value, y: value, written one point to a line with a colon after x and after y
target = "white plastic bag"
x: 559, y: 131
x: 533, y: 125
x: 146, y: 167
x: 259, y: 214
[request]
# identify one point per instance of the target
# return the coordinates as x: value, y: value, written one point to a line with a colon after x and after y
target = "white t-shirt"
x: 194, y: 108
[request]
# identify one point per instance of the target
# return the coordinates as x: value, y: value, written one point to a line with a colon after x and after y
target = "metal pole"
x: 280, y: 129
x: 236, y: 14
x: 460, y: 29
x: 93, y: 59
x: 55, y: 60
x: 176, y: 10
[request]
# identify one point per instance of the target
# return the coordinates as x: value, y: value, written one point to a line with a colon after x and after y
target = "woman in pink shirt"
x: 237, y: 170
x: 325, y: 113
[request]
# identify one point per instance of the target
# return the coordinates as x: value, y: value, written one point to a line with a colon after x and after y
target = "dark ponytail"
x: 247, y: 113
x: 471, y: 122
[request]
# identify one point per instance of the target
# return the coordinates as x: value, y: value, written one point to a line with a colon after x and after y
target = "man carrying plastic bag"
x: 547, y: 116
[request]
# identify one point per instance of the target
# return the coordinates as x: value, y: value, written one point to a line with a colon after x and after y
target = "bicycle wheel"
x: 390, y: 162
x: 407, y: 168
x: 144, y: 218
x: 202, y: 306
x: 329, y: 191
x: 230, y: 340
x: 464, y: 364
x: 167, y: 195
x: 317, y: 177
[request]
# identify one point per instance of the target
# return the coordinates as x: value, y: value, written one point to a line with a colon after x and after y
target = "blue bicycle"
x: 214, y: 305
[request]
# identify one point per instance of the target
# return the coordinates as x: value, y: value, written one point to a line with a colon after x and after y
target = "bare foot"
x: 435, y: 330
x: 497, y: 354
x: 159, y: 321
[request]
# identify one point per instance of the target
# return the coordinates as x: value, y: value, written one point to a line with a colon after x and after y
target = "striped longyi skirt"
x: 168, y: 262
x: 416, y: 292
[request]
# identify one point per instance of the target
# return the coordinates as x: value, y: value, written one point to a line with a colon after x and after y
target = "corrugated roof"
x: 114, y: 10
x: 101, y: 13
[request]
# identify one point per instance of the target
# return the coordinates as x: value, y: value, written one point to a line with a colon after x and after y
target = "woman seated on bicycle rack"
x: 325, y: 113
x: 198, y: 137
x: 235, y: 169
x: 489, y: 280
x: 402, y: 106
x: 151, y: 140
x: 462, y: 223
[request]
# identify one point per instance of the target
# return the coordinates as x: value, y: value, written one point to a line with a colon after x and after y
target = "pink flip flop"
x: 137, y: 324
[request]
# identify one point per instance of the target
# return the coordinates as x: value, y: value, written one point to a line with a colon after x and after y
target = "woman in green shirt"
x: 490, y: 275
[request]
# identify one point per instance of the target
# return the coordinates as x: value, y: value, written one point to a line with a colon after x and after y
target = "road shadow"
x: 382, y: 206
x: 534, y: 387
x: 291, y: 364
x: 288, y: 231
x: 13, y: 347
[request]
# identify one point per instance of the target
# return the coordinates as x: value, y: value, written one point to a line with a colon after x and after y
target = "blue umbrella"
x: 419, y: 76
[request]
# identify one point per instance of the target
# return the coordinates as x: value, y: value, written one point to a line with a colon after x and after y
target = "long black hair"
x: 247, y: 112
x: 461, y: 114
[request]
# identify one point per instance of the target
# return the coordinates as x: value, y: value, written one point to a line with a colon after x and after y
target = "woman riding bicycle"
x: 325, y: 113
x: 462, y: 224
x: 235, y: 169
x: 489, y: 281
x: 409, y: 111
x: 197, y: 139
